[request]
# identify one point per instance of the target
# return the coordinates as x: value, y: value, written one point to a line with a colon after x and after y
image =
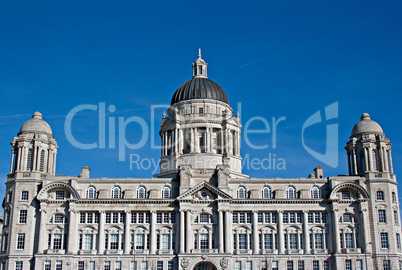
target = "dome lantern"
x: 200, y: 67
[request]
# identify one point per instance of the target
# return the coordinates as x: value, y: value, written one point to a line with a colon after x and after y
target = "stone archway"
x: 204, y: 266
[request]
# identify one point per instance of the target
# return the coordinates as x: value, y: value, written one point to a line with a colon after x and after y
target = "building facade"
x: 201, y: 212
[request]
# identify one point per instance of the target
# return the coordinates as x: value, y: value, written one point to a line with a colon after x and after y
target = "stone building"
x: 200, y: 212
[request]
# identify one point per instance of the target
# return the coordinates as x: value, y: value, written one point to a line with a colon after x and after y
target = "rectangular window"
x: 115, y: 218
x: 348, y: 264
x: 19, y: 265
x: 144, y: 265
x: 398, y: 241
x: 57, y: 241
x: 396, y: 218
x: 267, y: 241
x: 59, y: 265
x: 114, y: 241
x: 346, y: 195
x: 24, y: 195
x: 58, y: 218
x: 310, y: 218
x: 88, y: 241
x: 133, y: 265
x: 117, y: 265
x: 317, y: 217
x: 238, y: 265
x: 60, y: 195
x: 108, y: 217
x: 285, y: 218
x: 90, y: 217
x: 274, y: 218
x: 80, y: 265
x: 170, y: 265
x: 140, y: 218
x: 107, y: 265
x: 293, y: 241
x: 23, y: 216
x: 242, y: 241
x: 204, y: 241
x: 159, y: 265
x: 139, y: 241
x: 242, y: 218
x: 249, y: 265
x: 299, y: 217
x: 249, y: 217
x: 260, y: 217
x: 21, y: 241
x: 318, y: 241
x: 381, y: 216
x: 292, y: 217
x: 165, y: 239
x: 384, y: 240
x: 275, y: 265
x: 289, y: 265
x: 386, y: 264
x: 48, y: 265
x: 91, y: 265
x: 300, y: 265
x: 324, y: 217
x: 349, y: 240
x: 359, y: 265
x: 316, y: 265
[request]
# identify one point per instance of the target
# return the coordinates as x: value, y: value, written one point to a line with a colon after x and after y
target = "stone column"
x: 18, y: 160
x: 221, y: 244
x: 192, y: 142
x: 336, y: 230
x: 391, y: 167
x: 370, y: 158
x: 152, y: 242
x: 385, y: 158
x: 363, y: 211
x: 101, y: 237
x: 306, y: 234
x: 349, y: 164
x: 366, y: 161
x: 354, y: 161
x: 281, y: 236
x: 182, y: 230
x: 196, y: 141
x: 222, y: 142
x: 72, y: 231
x: 166, y: 142
x: 176, y: 141
x: 127, y: 233
x: 180, y: 142
x: 229, y: 233
x: 188, y: 232
x: 255, y: 233
x: 42, y: 229
x: 12, y: 160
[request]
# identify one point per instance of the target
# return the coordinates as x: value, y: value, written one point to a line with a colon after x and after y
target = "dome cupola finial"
x: 200, y: 67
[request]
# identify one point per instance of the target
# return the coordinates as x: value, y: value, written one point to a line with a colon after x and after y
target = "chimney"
x: 318, y: 172
x: 85, y: 172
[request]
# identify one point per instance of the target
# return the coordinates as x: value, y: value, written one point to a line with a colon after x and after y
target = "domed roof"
x: 36, y: 124
x: 199, y: 88
x: 366, y: 125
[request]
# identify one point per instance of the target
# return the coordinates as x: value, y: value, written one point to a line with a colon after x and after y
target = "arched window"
x: 91, y: 192
x: 141, y: 192
x: 241, y: 192
x: 393, y: 197
x: 42, y: 161
x: 315, y: 192
x: 380, y: 195
x: 166, y: 193
x: 116, y: 192
x: 374, y: 158
x: 362, y: 163
x: 266, y: 192
x: 290, y: 192
x: 29, y: 160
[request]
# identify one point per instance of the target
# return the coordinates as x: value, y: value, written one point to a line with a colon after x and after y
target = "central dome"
x: 199, y: 88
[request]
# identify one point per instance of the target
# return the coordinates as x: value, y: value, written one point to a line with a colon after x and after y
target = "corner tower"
x: 368, y: 150
x: 199, y: 131
x: 35, y: 149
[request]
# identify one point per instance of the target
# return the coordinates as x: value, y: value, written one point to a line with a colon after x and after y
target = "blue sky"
x: 277, y: 58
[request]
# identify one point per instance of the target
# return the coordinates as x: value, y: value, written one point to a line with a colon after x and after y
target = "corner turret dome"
x: 366, y: 125
x: 36, y: 124
x: 199, y: 87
